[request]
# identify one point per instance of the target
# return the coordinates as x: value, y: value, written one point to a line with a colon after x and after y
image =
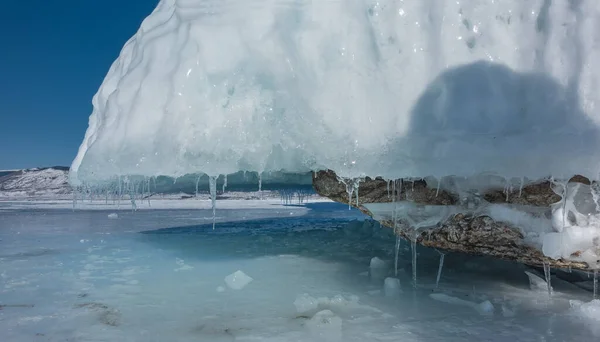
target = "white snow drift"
x: 396, y: 89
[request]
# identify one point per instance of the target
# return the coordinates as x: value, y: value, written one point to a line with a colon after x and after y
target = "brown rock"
x: 461, y: 233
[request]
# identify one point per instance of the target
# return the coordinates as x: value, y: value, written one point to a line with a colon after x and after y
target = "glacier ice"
x: 401, y: 88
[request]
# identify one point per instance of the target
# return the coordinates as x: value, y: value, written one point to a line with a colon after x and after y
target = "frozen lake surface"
x: 164, y: 275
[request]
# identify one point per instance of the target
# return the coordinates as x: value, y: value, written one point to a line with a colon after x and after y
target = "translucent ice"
x: 237, y: 280
x: 396, y: 89
x: 536, y: 283
x: 484, y: 308
x: 588, y: 313
x: 391, y: 287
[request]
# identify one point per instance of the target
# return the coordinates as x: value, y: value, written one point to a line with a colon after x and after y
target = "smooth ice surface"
x: 397, y: 88
x: 157, y: 275
x: 325, y: 326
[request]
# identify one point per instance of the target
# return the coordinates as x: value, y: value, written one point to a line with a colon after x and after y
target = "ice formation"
x: 396, y: 89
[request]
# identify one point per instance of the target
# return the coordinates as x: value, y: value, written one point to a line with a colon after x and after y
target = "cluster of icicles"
x: 140, y: 190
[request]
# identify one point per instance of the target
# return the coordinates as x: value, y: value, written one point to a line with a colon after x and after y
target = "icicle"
x: 396, y: 253
x: 130, y: 189
x: 357, y: 183
x: 224, y: 182
x: 260, y: 185
x: 120, y: 194
x: 437, y: 192
x: 440, y: 267
x: 570, y: 270
x: 595, y: 189
x: 149, y: 192
x: 548, y: 277
x: 565, y: 199
x: 197, y: 181
x: 521, y: 187
x: 75, y: 198
x: 212, y: 184
x: 387, y: 185
x: 349, y: 191
x: 596, y: 284
x: 413, y: 244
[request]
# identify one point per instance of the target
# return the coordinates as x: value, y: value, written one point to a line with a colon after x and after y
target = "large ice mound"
x: 398, y: 88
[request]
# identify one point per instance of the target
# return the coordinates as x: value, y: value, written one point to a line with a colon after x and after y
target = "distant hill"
x: 36, y: 182
x: 52, y: 182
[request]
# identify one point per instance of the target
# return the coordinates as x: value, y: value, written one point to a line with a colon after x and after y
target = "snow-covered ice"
x: 158, y: 275
x: 398, y: 88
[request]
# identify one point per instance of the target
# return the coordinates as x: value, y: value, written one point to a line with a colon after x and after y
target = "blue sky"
x: 54, y: 55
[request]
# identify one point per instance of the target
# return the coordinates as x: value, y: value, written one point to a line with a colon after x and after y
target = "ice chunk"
x: 113, y: 216
x: 378, y: 269
x: 484, y: 308
x: 588, y: 313
x: 536, y: 283
x: 378, y: 263
x: 182, y: 265
x: 391, y: 287
x: 238, y: 280
x: 325, y: 326
x: 576, y: 221
x: 305, y: 303
x: 205, y: 86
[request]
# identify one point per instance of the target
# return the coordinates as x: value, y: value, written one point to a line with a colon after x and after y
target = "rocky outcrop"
x: 463, y: 232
